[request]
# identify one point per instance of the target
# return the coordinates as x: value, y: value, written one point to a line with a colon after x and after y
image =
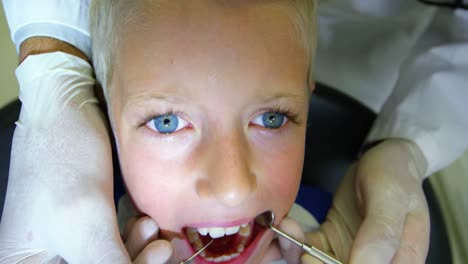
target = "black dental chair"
x: 339, y: 125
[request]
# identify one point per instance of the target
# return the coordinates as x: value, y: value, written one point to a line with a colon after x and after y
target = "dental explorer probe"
x: 189, y: 260
x: 267, y: 218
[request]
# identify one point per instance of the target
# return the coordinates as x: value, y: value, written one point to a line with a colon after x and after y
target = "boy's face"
x: 209, y: 103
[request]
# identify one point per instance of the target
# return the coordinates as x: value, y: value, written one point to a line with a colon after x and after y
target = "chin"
x: 234, y: 244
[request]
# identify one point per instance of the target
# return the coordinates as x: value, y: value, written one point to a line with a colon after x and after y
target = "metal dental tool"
x: 267, y: 218
x: 189, y: 260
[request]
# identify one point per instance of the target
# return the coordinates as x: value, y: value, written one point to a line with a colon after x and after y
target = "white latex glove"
x: 59, y: 199
x: 141, y: 237
x: 141, y: 240
x: 379, y: 212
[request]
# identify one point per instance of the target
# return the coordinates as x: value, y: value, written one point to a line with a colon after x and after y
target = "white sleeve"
x: 66, y: 20
x: 429, y: 103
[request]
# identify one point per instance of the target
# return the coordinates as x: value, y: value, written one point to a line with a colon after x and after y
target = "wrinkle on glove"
x: 41, y: 108
x: 59, y: 199
x: 379, y: 212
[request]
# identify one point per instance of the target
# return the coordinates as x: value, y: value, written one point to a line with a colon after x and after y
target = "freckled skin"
x: 221, y: 62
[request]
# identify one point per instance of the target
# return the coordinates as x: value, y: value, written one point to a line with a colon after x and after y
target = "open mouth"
x: 229, y: 245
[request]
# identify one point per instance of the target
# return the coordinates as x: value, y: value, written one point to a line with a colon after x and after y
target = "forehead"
x: 211, y: 13
x: 211, y: 38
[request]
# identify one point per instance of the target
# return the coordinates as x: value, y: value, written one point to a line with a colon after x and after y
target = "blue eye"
x: 273, y: 120
x: 167, y: 123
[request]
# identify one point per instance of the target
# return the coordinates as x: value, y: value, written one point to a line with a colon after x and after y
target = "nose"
x: 228, y: 170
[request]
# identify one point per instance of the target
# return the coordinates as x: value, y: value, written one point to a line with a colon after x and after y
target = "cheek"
x: 284, y: 174
x: 280, y: 162
x: 143, y: 180
x: 153, y: 181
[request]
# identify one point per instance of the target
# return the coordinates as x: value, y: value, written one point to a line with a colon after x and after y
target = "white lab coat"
x: 403, y: 59
x: 406, y: 61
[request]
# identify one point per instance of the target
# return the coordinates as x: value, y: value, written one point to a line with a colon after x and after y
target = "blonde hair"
x: 109, y: 16
x: 307, y: 25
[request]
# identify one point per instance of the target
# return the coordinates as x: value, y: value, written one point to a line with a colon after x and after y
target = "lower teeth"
x: 222, y: 258
x: 194, y: 238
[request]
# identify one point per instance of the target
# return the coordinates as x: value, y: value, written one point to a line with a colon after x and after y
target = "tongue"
x: 224, y: 245
x: 227, y: 245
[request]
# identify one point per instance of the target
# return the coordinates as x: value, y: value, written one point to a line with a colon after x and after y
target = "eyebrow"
x: 135, y: 100
x: 282, y: 95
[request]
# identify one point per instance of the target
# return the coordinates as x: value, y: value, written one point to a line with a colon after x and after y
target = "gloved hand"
x: 141, y: 241
x: 379, y: 213
x: 141, y: 236
x: 59, y: 200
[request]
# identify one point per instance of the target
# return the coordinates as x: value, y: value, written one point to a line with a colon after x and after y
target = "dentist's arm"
x: 379, y: 212
x: 59, y: 201
x: 40, y: 44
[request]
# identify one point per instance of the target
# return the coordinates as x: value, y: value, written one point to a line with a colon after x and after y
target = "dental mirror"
x: 267, y: 219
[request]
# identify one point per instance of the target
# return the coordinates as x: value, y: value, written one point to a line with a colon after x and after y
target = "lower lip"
x: 245, y: 255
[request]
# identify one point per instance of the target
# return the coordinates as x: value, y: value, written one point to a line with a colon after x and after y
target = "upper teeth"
x: 216, y: 232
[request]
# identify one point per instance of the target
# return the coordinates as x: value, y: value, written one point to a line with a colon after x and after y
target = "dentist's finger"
x: 291, y: 252
x: 308, y: 259
x: 143, y: 232
x: 379, y: 235
x: 337, y: 233
x: 157, y: 252
x: 318, y: 239
x: 129, y: 227
x: 415, y: 240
